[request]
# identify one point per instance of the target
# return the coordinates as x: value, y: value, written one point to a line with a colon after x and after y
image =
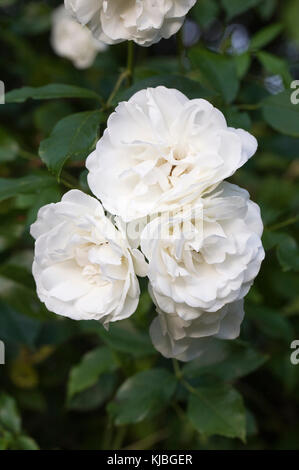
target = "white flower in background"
x: 142, y: 21
x: 72, y: 40
x: 161, y: 150
x: 83, y: 266
x: 185, y: 340
x: 208, y: 263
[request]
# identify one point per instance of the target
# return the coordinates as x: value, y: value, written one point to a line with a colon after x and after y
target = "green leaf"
x: 51, y: 91
x: 25, y: 443
x: 287, y: 249
x: 20, y: 296
x: 237, y: 119
x: 8, y: 147
x: 205, y: 12
x: 263, y: 37
x: 271, y: 322
x: 92, y: 366
x: 119, y: 339
x: 9, y: 416
x: 15, y: 328
x: 266, y: 8
x: 218, y: 70
x: 142, y: 396
x: 239, y: 361
x: 288, y: 253
x: 73, y: 137
x: 243, y: 62
x: 237, y: 7
x: 10, y: 187
x: 189, y: 87
x: 49, y: 113
x: 94, y: 396
x: 281, y: 114
x: 217, y: 410
x: 272, y: 239
x: 6, y: 438
x: 275, y: 65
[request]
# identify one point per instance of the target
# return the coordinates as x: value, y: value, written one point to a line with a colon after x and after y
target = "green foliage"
x: 142, y: 396
x: 91, y: 367
x: 10, y: 187
x: 205, y: 11
x: 11, y: 436
x: 281, y: 114
x: 218, y: 410
x: 8, y: 147
x: 263, y: 37
x: 74, y: 385
x: 122, y: 340
x: 217, y: 70
x: 72, y: 137
x: 274, y: 65
x: 51, y: 91
x: 237, y: 360
x: 237, y: 7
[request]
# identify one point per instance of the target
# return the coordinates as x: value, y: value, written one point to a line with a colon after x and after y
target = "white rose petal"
x: 161, y: 150
x: 142, y: 21
x: 210, y: 258
x: 83, y: 265
x: 72, y: 40
x: 185, y: 340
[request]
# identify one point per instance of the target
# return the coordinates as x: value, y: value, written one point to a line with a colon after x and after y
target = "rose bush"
x: 144, y: 22
x: 161, y: 167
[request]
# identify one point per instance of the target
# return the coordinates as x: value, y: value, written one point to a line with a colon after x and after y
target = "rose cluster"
x: 159, y: 171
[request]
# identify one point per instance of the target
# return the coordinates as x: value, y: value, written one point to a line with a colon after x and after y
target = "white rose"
x: 83, y: 266
x: 72, y: 40
x: 210, y: 258
x: 142, y: 21
x: 185, y: 340
x: 161, y: 150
